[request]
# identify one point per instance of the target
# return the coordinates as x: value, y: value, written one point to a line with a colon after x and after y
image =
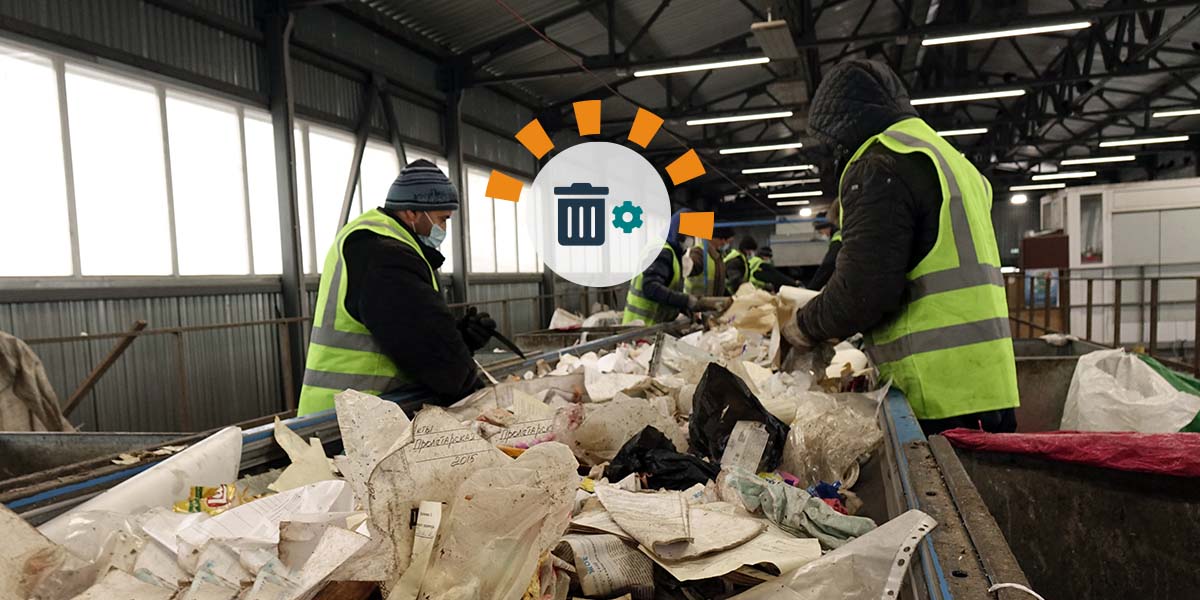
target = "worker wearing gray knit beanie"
x: 381, y: 279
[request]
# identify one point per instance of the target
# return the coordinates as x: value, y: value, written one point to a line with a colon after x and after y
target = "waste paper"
x: 705, y: 466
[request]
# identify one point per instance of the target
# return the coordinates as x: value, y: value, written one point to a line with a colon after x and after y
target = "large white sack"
x: 1113, y: 390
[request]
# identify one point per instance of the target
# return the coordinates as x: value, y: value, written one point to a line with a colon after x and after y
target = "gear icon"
x: 627, y: 216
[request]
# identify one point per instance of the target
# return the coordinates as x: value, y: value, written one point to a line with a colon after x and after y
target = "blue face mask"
x: 436, y: 236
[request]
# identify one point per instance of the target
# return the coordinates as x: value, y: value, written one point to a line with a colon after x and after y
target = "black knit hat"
x: 422, y: 186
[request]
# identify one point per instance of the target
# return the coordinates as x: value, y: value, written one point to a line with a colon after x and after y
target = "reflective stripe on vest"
x: 639, y: 306
x: 753, y: 267
x: 342, y: 352
x: 949, y: 348
x: 701, y: 285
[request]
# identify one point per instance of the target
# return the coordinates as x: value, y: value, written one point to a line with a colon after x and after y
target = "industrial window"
x: 207, y: 191
x: 120, y: 180
x: 264, y: 193
x: 329, y: 155
x: 482, y: 223
x: 35, y: 238
x: 379, y: 169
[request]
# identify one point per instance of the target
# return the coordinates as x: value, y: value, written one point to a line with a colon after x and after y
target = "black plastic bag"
x: 651, y: 453
x: 721, y: 400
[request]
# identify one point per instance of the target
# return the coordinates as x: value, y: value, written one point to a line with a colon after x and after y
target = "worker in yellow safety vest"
x: 657, y: 294
x: 918, y: 272
x: 381, y: 324
x: 737, y: 264
x: 763, y: 273
x: 708, y: 265
x: 826, y: 226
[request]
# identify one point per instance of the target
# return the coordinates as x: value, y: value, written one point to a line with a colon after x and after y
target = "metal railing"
x: 1055, y: 312
x: 538, y: 305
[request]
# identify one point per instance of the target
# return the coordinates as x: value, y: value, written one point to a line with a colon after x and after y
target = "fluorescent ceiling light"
x: 735, y: 118
x: 1003, y: 33
x: 795, y: 194
x: 792, y: 203
x: 1037, y: 186
x: 968, y: 97
x: 1097, y: 160
x: 1140, y: 141
x: 780, y: 182
x: 1063, y: 175
x: 954, y: 132
x: 1176, y: 113
x: 806, y: 212
x: 725, y: 64
x: 776, y: 169
x: 1019, y: 199
x: 745, y: 149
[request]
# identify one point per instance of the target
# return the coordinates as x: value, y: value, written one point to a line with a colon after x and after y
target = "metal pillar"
x: 389, y: 113
x: 452, y: 134
x: 361, y: 131
x: 294, y: 299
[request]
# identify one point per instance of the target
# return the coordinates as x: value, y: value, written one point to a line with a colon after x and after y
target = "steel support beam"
x: 294, y: 299
x: 361, y: 132
x: 452, y: 136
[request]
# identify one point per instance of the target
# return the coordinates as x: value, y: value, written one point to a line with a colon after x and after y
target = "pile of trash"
x: 687, y: 468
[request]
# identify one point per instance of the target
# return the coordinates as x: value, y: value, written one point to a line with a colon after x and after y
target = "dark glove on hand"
x: 476, y: 328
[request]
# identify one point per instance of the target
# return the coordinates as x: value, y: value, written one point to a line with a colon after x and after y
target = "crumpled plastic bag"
x: 652, y: 454
x: 1113, y: 390
x: 781, y: 392
x: 565, y: 319
x: 720, y: 401
x: 870, y: 567
x: 499, y: 523
x: 791, y: 508
x: 829, y: 433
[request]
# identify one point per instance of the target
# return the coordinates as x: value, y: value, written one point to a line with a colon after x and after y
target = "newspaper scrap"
x: 429, y: 519
x: 309, y: 464
x: 371, y: 428
x: 606, y: 565
x: 652, y: 518
x: 436, y: 458
x: 712, y: 531
x: 772, y: 547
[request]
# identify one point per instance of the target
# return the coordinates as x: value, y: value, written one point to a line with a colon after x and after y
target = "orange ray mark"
x: 696, y: 224
x: 534, y: 138
x: 645, y: 125
x: 685, y: 168
x: 587, y: 116
x: 503, y: 187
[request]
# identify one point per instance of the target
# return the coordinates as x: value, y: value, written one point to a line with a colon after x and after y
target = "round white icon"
x: 599, y: 214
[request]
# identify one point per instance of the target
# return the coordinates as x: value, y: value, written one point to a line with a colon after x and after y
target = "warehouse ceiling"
x: 1082, y: 86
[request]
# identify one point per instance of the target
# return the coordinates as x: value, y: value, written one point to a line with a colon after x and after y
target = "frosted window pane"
x: 379, y: 170
x: 306, y: 249
x: 525, y: 246
x: 413, y: 153
x: 35, y: 236
x: 481, y: 226
x: 330, y: 154
x: 120, y: 188
x: 447, y: 248
x: 206, y: 178
x: 264, y: 194
x: 506, y: 234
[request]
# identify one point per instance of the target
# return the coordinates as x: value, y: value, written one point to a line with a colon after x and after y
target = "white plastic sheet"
x: 871, y: 567
x: 211, y: 462
x: 1113, y: 390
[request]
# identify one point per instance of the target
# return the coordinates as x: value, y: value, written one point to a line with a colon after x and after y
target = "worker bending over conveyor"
x: 707, y: 276
x: 657, y: 294
x: 763, y: 273
x: 381, y: 324
x: 918, y: 272
x: 737, y: 264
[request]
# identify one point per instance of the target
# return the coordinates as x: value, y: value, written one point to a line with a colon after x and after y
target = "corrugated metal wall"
x: 230, y: 374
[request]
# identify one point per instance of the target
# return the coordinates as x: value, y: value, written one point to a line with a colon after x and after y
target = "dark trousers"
x: 992, y: 421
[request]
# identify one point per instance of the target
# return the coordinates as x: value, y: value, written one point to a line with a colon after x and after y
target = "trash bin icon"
x: 581, y: 214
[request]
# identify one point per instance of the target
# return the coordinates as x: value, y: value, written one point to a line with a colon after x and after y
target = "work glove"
x: 791, y: 332
x: 714, y: 303
x: 476, y: 328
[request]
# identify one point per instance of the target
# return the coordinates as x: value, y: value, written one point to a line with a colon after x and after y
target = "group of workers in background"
x: 912, y: 265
